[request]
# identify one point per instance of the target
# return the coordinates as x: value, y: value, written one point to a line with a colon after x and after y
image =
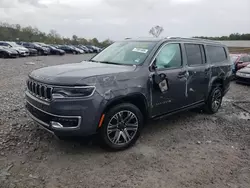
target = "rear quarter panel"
x: 221, y: 72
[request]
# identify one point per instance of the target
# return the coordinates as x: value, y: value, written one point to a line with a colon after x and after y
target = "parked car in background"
x: 93, y: 49
x: 43, y: 45
x: 243, y: 75
x: 56, y: 51
x: 84, y: 48
x: 98, y: 50
x: 22, y: 51
x: 240, y: 60
x: 33, y: 52
x: 127, y: 83
x: 40, y: 50
x: 69, y: 49
x: 80, y: 51
x: 6, y: 52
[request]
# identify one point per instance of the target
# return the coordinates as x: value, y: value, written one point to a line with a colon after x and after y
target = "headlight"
x: 84, y: 91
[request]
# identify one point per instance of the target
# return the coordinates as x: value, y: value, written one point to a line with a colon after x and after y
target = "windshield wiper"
x: 108, y: 62
x: 114, y: 63
x: 91, y: 60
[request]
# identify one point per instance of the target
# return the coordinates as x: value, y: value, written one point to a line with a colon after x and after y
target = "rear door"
x: 198, y: 72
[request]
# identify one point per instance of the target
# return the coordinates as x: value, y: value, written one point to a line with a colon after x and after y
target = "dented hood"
x: 73, y: 74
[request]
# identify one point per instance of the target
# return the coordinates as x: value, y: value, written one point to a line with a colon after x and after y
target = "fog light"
x: 56, y: 124
x: 60, y: 122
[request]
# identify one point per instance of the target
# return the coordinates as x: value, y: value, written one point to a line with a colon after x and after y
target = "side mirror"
x: 154, y: 67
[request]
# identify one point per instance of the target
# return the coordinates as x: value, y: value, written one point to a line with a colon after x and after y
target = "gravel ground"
x: 191, y: 149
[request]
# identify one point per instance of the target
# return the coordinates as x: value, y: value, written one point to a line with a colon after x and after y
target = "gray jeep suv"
x: 130, y: 81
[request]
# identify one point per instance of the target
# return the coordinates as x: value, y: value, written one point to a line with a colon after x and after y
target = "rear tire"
x: 39, y: 52
x: 121, y: 127
x: 214, y: 100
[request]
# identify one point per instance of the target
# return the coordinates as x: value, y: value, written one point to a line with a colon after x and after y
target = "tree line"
x: 15, y: 32
x: 234, y: 36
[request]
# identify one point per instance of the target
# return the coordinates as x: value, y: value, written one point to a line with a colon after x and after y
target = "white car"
x: 243, y: 75
x: 22, y: 51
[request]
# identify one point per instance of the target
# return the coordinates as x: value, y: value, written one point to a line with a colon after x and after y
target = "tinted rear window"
x: 216, y: 54
x: 195, y: 54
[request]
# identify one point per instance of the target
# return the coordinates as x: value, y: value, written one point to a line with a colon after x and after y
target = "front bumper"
x: 24, y: 54
x: 242, y: 80
x: 14, y: 55
x: 66, y: 117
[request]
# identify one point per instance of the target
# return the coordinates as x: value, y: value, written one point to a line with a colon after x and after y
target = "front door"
x: 169, y: 66
x: 198, y: 73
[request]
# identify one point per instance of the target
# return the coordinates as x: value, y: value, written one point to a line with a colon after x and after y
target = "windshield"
x: 126, y: 52
x: 13, y: 44
x: 36, y: 45
x: 234, y: 57
x: 52, y: 47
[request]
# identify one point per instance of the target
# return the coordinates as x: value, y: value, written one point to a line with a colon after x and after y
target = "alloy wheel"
x: 122, y: 127
x: 216, y: 100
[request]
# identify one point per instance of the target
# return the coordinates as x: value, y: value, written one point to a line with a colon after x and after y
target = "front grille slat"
x: 39, y: 90
x: 45, y: 92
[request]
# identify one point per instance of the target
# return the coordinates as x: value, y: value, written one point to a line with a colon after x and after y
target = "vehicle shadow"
x: 76, y: 145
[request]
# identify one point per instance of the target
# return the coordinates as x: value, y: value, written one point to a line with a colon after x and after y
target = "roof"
x: 173, y: 38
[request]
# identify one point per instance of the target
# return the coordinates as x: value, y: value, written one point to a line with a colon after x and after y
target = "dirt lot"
x: 186, y: 150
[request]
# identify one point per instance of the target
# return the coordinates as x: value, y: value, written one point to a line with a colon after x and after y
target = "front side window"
x: 169, y: 57
x: 4, y: 44
x: 125, y: 53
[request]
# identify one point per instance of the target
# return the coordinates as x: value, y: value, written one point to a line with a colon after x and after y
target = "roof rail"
x: 195, y: 39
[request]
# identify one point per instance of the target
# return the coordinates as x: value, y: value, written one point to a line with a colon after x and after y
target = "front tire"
x: 214, y: 100
x: 121, y: 127
x: 3, y: 55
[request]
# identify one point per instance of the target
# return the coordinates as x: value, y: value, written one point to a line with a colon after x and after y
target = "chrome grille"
x: 39, y: 90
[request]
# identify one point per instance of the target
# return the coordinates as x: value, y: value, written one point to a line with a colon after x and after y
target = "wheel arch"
x: 137, y: 99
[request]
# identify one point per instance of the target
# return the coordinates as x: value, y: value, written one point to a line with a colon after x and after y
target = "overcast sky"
x: 117, y: 19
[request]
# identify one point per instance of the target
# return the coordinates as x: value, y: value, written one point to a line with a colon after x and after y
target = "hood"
x: 20, y: 48
x: 8, y: 50
x: 73, y: 74
x: 32, y: 50
x: 245, y: 70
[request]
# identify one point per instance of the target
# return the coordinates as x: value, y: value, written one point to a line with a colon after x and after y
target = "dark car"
x: 92, y: 49
x: 240, y: 60
x: 243, y: 75
x: 56, y: 51
x: 33, y: 52
x: 40, y: 50
x: 69, y: 49
x: 130, y: 81
x: 6, y: 52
